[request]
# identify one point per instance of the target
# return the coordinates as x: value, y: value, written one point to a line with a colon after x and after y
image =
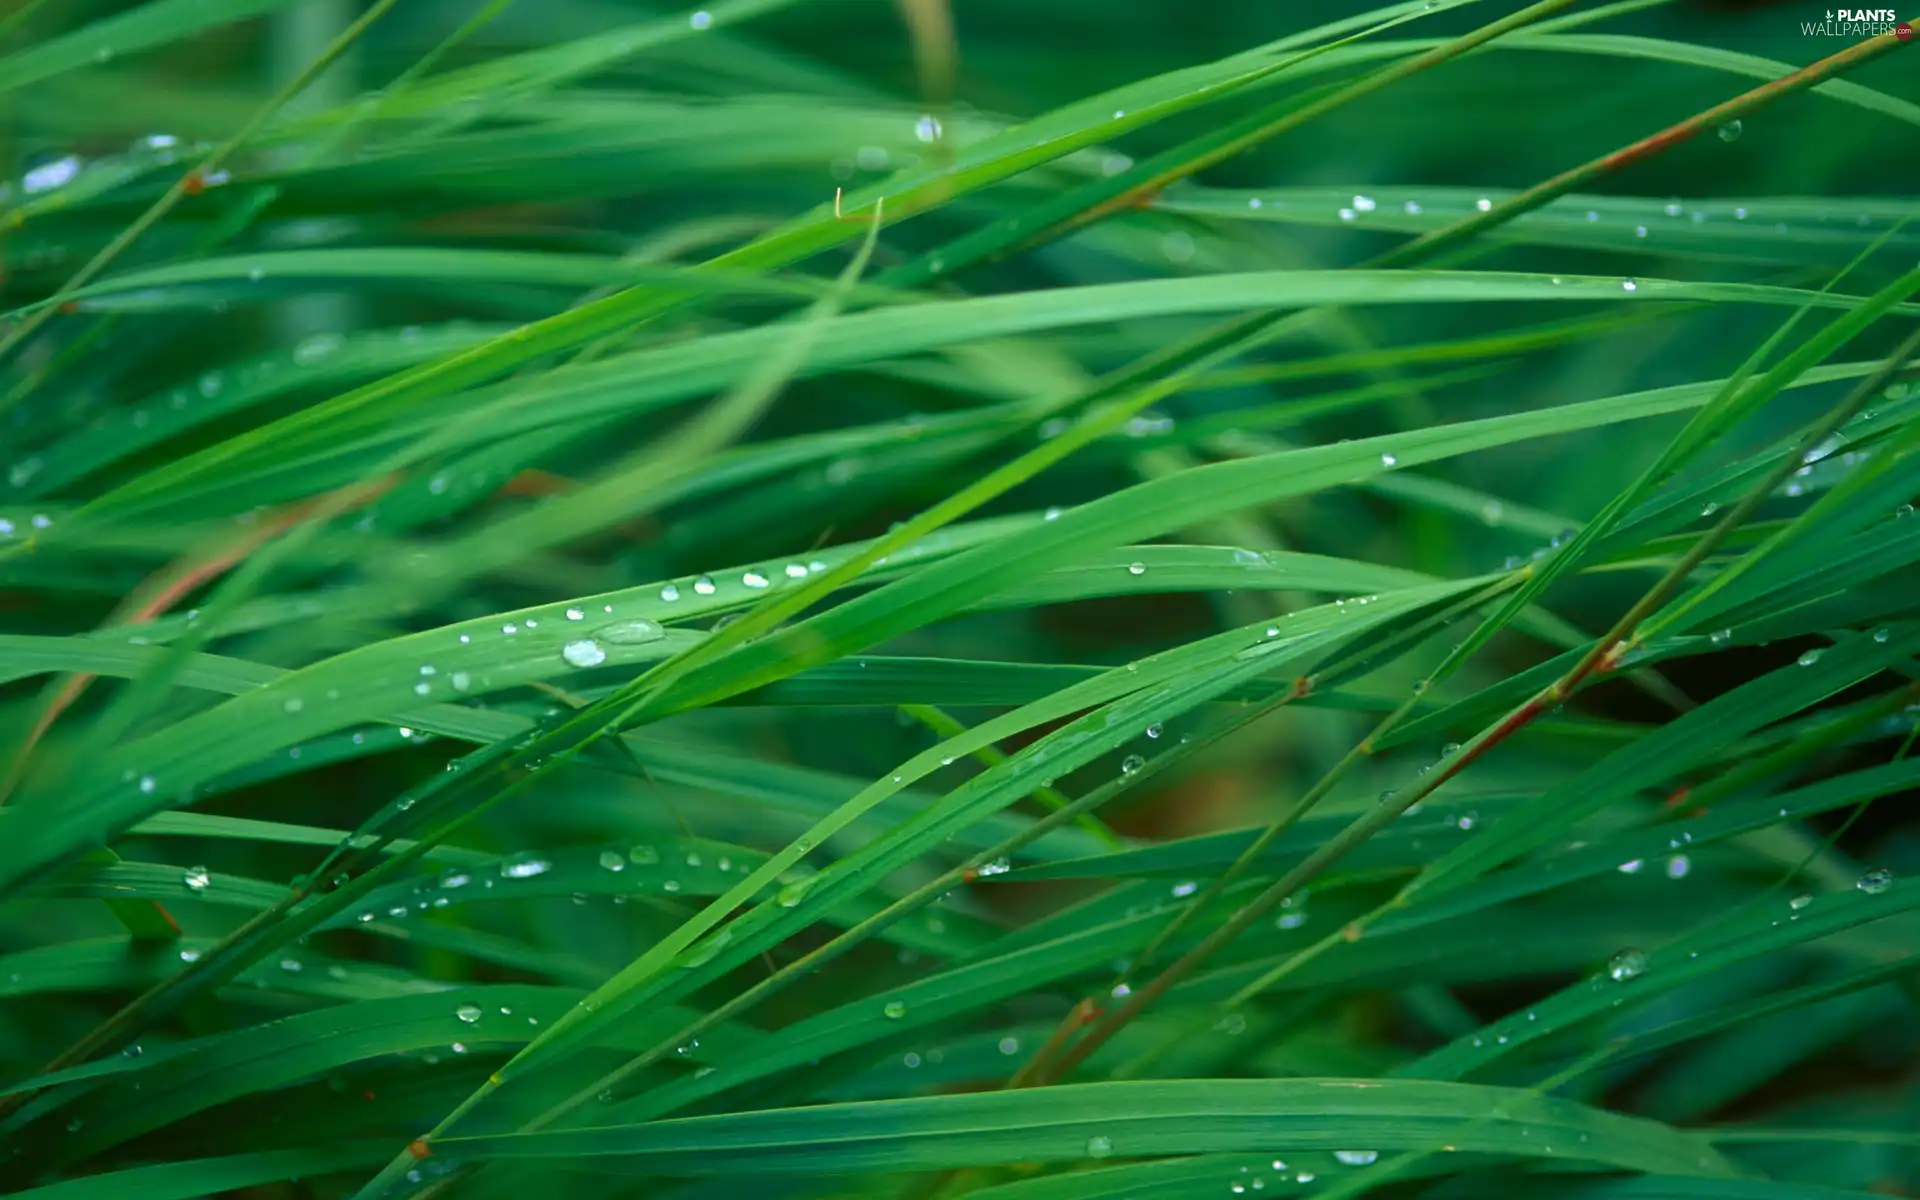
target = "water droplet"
x: 468, y: 1013
x: 196, y: 879
x: 1388, y: 460
x: 1009, y: 1045
x: 1809, y: 658
x: 1154, y: 731
x: 1184, y: 888
x: 1881, y: 635
x: 641, y: 854
x: 47, y: 176
x: 926, y: 130
x: 147, y: 784
x: 1720, y: 637
x: 701, y: 20
x: 630, y: 633
x: 1731, y: 130
x: 1678, y: 866
x: 1099, y: 1146
x: 1483, y: 204
x: 893, y: 1010
x: 1132, y: 763
x: 1136, y: 568
x: 669, y: 593
x: 1363, y: 203
x: 1799, y: 902
x: 1631, y: 866
x: 1876, y: 881
x: 613, y: 860
x: 1628, y: 285
x: 1625, y: 965
x: 524, y: 867
x: 1357, y: 1158
x: 754, y: 579
x: 704, y: 585
x: 583, y: 653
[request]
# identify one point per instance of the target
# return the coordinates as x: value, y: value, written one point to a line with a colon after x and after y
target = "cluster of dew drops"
x: 1631, y: 964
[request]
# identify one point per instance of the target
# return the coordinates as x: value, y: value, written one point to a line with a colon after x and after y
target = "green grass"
x: 1036, y: 602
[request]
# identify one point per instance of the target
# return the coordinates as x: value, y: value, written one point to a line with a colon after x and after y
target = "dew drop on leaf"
x: 524, y: 867
x: 1876, y: 881
x: 630, y: 633
x: 1625, y: 965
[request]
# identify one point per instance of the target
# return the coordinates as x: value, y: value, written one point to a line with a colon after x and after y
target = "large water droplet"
x: 1731, y: 130
x: 1876, y: 881
x: 585, y: 652
x: 613, y: 860
x: 1799, y: 902
x: 1131, y: 764
x: 525, y: 867
x: 1625, y: 965
x: 196, y: 879
x: 1357, y: 1158
x: 1099, y: 1146
x: 1809, y: 658
x: 630, y: 633
x: 468, y: 1013
x: 893, y: 1010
